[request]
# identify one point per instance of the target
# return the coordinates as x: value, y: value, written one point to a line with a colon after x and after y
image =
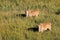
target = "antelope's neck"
x: 39, y: 28
x: 27, y: 13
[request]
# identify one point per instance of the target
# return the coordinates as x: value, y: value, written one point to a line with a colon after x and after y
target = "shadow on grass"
x: 34, y: 29
x: 58, y: 12
x: 21, y: 15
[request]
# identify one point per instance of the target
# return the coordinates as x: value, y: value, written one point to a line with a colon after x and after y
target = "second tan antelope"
x: 32, y: 12
x: 44, y: 26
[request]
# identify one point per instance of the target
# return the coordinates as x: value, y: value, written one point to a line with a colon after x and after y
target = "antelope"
x: 32, y: 12
x: 44, y: 26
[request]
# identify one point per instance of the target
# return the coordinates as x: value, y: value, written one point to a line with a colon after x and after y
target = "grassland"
x: 13, y: 26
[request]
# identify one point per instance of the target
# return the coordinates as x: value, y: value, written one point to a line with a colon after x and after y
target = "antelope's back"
x: 45, y: 25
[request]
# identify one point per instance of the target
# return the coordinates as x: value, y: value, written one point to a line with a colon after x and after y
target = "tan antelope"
x: 44, y: 26
x: 32, y: 12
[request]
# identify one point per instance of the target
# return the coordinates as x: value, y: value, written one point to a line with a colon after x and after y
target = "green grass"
x: 15, y: 27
